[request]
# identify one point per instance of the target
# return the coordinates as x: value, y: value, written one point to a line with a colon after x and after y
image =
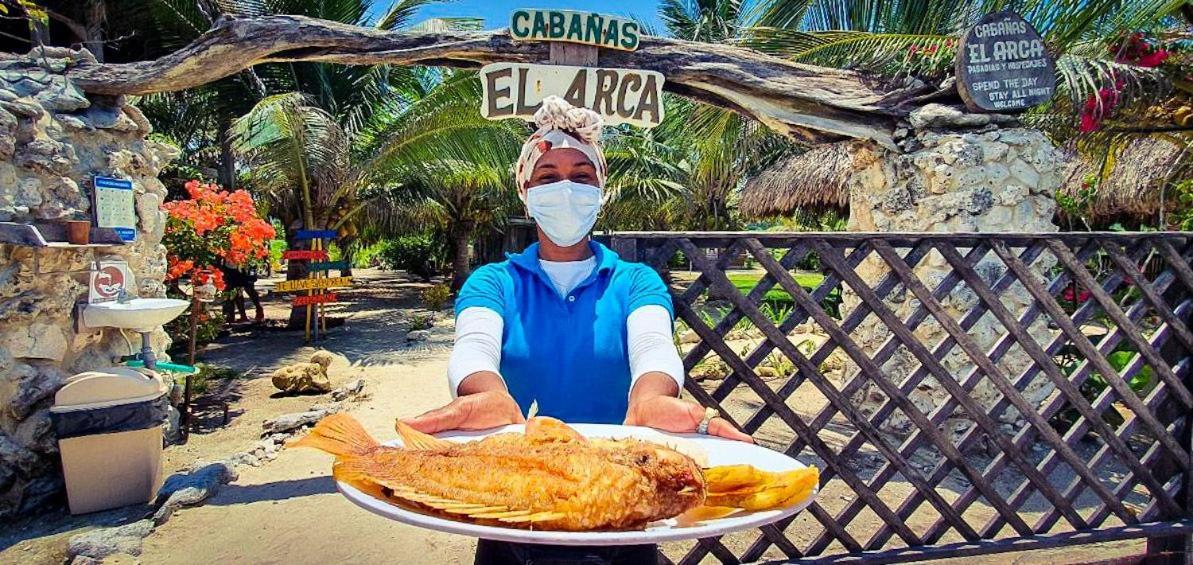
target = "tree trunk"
x: 460, y: 238
x: 804, y: 102
x: 227, y: 166
x: 96, y: 16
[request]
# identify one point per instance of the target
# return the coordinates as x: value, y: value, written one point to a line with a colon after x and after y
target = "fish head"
x: 672, y: 471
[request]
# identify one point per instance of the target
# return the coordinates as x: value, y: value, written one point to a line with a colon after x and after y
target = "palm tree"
x: 687, y: 172
x: 406, y: 162
x: 1106, y: 97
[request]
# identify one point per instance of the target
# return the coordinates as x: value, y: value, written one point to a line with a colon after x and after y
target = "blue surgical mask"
x: 565, y: 210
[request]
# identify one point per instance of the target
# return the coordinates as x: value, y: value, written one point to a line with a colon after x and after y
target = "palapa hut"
x: 815, y: 180
x: 818, y: 180
x: 1133, y: 190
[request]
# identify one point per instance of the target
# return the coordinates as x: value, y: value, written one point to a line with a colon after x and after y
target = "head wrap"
x: 561, y: 126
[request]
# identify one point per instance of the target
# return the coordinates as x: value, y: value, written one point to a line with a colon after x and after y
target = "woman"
x: 566, y: 324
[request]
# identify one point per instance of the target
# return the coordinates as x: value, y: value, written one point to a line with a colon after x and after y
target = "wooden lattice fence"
x: 1102, y: 319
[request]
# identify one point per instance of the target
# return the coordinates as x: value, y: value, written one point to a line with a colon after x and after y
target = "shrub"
x: 420, y: 255
x: 436, y: 297
x: 422, y: 321
x: 211, y: 228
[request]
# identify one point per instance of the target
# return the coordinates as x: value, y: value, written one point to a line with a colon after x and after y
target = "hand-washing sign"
x: 115, y: 206
x: 108, y: 279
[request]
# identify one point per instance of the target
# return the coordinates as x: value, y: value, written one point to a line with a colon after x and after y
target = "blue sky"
x: 497, y: 12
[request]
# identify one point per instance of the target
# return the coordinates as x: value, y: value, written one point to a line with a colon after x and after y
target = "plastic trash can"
x: 109, y: 426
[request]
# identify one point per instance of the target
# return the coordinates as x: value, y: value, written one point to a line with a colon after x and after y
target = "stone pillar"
x: 957, y: 173
x: 53, y: 140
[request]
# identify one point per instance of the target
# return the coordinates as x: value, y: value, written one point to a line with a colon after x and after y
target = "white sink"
x: 140, y: 314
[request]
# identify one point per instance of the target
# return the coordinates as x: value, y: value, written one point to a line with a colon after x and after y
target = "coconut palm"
x: 687, y: 172
x: 1107, y: 95
x: 407, y: 163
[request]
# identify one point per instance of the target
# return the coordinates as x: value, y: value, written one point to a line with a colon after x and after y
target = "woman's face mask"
x: 565, y: 210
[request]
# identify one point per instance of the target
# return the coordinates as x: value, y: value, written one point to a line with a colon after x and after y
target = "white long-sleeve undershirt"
x: 648, y: 335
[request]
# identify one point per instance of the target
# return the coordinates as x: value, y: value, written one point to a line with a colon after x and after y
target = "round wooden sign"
x: 1003, y: 65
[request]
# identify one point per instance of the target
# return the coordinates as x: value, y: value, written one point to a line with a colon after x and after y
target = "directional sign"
x: 314, y: 234
x: 305, y: 254
x: 311, y: 284
x: 315, y: 299
x: 327, y: 265
x: 587, y: 28
x: 621, y: 96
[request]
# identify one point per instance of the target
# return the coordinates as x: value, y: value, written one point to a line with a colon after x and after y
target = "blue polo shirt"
x: 568, y: 353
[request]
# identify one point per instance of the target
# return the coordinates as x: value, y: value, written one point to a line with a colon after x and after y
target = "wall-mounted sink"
x: 139, y: 314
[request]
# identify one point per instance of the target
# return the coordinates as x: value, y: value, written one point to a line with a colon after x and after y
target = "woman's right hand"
x: 477, y: 411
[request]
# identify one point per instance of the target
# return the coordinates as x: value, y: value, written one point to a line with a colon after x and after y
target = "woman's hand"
x: 483, y: 403
x: 672, y: 414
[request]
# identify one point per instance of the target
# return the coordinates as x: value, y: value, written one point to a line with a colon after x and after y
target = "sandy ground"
x: 287, y: 511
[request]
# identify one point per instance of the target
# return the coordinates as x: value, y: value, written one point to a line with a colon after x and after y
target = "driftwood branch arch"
x: 808, y: 103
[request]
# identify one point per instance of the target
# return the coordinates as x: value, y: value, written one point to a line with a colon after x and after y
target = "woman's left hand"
x: 672, y: 414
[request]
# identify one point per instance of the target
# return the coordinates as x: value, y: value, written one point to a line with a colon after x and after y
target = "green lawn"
x: 747, y: 281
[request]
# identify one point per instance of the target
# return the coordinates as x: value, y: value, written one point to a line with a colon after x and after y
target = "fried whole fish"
x: 549, y: 478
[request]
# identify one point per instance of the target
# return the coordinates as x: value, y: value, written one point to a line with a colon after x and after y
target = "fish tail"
x: 340, y: 435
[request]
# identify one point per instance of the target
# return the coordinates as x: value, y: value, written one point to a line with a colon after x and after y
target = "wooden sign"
x: 622, y: 96
x: 586, y: 28
x: 115, y: 206
x: 327, y: 265
x: 312, y: 284
x: 307, y: 300
x: 1003, y: 66
x: 305, y: 254
x: 314, y: 234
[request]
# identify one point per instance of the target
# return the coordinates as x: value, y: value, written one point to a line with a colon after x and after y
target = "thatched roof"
x: 1131, y: 190
x: 819, y: 180
x: 814, y: 180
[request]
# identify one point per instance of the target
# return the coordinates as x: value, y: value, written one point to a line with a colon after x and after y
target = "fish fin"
x: 414, y: 439
x: 545, y: 429
x: 537, y: 517
x: 501, y: 515
x: 340, y: 435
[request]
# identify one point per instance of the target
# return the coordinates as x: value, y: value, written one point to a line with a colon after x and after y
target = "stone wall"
x: 53, y: 140
x: 958, y: 173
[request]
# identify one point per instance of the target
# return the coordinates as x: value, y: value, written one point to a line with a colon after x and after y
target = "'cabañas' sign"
x: 1002, y: 65
x: 597, y: 30
x: 622, y: 96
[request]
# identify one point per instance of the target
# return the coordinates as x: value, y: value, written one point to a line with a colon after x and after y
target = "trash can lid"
x: 107, y: 387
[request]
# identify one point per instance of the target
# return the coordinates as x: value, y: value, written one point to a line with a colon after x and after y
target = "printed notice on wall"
x: 1003, y: 65
x: 115, y: 206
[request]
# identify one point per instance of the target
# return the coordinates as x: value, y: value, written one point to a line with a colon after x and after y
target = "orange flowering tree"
x: 211, y: 228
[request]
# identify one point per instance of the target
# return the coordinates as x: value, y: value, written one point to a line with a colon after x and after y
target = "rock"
x: 348, y: 390
x: 191, y: 488
x: 418, y: 335
x: 36, y: 432
x: 98, y: 544
x: 34, y: 383
x: 14, y: 454
x: 35, y: 341
x: 689, y: 337
x: 288, y: 422
x: 301, y: 378
x: 323, y: 358
x: 84, y: 560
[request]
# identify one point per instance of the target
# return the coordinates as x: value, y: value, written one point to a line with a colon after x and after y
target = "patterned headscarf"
x: 561, y: 126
